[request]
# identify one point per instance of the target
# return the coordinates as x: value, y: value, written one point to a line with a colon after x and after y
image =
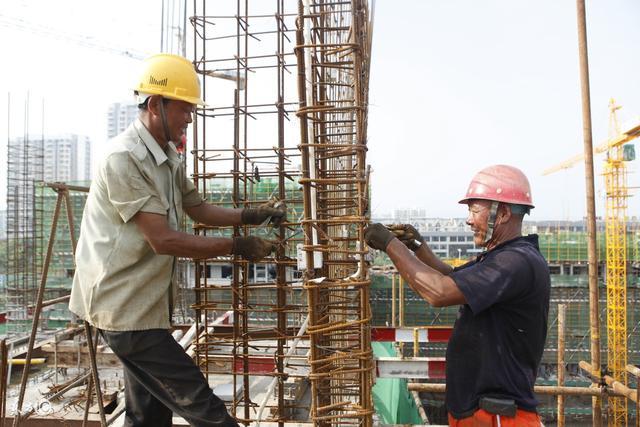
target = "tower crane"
x: 617, y: 192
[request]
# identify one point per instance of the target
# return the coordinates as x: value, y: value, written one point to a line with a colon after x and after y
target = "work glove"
x: 408, y: 235
x: 252, y: 248
x: 377, y: 236
x: 274, y: 211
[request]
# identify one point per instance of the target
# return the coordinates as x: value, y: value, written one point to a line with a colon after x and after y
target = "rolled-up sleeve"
x: 128, y: 191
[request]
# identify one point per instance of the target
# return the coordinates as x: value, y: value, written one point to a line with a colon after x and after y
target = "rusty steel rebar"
x: 317, y: 79
x: 333, y: 68
x: 92, y: 344
x: 240, y: 165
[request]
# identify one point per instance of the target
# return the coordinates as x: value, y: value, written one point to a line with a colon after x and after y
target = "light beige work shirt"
x: 120, y: 283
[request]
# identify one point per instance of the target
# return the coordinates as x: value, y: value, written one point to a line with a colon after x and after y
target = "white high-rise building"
x: 119, y: 117
x: 67, y: 158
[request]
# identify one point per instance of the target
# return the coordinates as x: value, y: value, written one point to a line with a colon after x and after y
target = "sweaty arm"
x: 209, y: 214
x: 164, y: 240
x: 426, y: 279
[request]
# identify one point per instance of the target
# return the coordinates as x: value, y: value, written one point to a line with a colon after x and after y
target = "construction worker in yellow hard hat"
x: 124, y: 283
x: 498, y: 338
x: 173, y: 80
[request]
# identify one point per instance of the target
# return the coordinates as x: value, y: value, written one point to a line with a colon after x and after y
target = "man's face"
x: 179, y: 115
x: 478, y: 219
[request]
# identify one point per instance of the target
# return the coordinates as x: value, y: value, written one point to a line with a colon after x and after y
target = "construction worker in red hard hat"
x: 124, y: 283
x: 498, y: 338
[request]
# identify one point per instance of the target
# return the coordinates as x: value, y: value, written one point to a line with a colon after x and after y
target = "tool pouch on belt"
x: 504, y: 407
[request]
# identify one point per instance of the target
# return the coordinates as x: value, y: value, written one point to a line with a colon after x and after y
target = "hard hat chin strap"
x: 491, y: 222
x: 163, y: 116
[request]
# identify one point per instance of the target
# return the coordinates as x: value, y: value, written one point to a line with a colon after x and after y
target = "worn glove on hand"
x: 274, y: 211
x: 252, y: 248
x: 408, y: 235
x: 377, y: 236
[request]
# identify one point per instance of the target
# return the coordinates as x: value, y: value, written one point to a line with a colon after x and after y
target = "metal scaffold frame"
x: 333, y: 48
x: 25, y: 168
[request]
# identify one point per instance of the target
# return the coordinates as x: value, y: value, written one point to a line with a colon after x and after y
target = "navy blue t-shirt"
x: 499, y: 335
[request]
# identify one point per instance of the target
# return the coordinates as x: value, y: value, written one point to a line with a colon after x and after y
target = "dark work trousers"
x: 160, y: 378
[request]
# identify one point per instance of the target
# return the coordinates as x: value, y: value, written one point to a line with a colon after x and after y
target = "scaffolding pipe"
x: 393, y: 300
x: 619, y: 388
x: 562, y: 310
x: 401, y: 299
x: 539, y: 389
x: 594, y: 313
x: 635, y: 371
x: 4, y: 383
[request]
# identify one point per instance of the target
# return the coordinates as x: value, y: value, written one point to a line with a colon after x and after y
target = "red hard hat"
x: 501, y: 183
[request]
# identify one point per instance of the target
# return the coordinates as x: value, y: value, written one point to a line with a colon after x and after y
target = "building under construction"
x: 321, y: 333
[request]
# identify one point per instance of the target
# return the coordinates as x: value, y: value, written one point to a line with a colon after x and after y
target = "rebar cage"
x: 291, y: 130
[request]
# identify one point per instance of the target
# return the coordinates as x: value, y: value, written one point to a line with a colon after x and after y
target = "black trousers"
x: 160, y: 378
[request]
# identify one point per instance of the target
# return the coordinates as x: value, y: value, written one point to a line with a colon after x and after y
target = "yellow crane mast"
x: 617, y: 192
x: 615, y: 176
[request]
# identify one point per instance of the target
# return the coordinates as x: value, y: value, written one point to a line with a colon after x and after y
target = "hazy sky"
x: 455, y: 86
x: 459, y: 85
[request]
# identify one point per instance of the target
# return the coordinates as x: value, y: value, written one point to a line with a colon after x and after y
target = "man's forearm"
x: 432, y: 285
x: 208, y: 214
x: 187, y: 245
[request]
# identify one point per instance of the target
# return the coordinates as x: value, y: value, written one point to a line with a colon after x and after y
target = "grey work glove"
x: 408, y: 235
x: 252, y: 248
x: 378, y: 236
x: 274, y: 211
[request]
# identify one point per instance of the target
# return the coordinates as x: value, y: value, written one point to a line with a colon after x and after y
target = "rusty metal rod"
x: 37, y: 310
x: 59, y: 186
x: 94, y: 369
x: 52, y: 301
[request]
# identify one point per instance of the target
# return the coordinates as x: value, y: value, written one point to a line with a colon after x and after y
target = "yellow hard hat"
x: 171, y: 76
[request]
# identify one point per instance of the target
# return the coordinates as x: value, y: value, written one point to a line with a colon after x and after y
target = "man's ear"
x: 153, y: 104
x: 504, y: 213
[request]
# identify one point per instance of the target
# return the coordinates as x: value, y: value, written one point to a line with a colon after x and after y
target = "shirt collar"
x: 158, y: 153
